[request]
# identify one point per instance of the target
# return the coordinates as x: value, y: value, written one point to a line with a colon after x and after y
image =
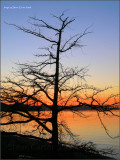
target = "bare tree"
x: 46, y: 83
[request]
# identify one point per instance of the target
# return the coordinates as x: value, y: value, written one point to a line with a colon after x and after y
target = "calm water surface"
x: 85, y: 129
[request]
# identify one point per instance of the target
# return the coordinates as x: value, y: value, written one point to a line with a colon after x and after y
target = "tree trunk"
x: 54, y: 131
x: 55, y: 105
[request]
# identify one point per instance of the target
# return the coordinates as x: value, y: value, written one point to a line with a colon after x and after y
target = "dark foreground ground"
x: 16, y: 146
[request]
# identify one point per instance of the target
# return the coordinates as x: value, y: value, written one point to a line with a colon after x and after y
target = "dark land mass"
x: 17, y: 146
x: 18, y: 107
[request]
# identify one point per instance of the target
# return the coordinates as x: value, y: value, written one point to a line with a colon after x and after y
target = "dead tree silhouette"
x: 46, y: 83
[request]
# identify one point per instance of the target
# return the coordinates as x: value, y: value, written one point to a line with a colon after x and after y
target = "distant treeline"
x: 19, y: 107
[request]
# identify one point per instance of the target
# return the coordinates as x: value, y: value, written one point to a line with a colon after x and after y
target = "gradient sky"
x: 101, y: 53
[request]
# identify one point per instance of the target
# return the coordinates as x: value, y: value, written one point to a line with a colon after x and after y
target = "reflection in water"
x: 86, y: 129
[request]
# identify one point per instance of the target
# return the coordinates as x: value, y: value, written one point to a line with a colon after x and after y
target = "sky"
x: 101, y: 51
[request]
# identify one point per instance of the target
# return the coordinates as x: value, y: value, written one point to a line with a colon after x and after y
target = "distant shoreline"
x: 9, y: 108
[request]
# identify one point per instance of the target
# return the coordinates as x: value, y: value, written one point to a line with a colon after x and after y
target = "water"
x: 85, y: 129
x: 90, y: 129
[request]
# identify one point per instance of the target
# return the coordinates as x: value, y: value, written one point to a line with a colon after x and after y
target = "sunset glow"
x: 60, y: 79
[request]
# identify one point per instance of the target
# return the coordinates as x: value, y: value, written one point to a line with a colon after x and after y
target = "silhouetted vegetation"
x: 30, y: 147
x: 46, y: 83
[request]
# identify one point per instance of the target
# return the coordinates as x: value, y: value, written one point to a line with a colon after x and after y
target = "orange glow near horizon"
x: 62, y: 97
x: 73, y: 102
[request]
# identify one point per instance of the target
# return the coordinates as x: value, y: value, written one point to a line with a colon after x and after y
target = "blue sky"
x: 101, y: 52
